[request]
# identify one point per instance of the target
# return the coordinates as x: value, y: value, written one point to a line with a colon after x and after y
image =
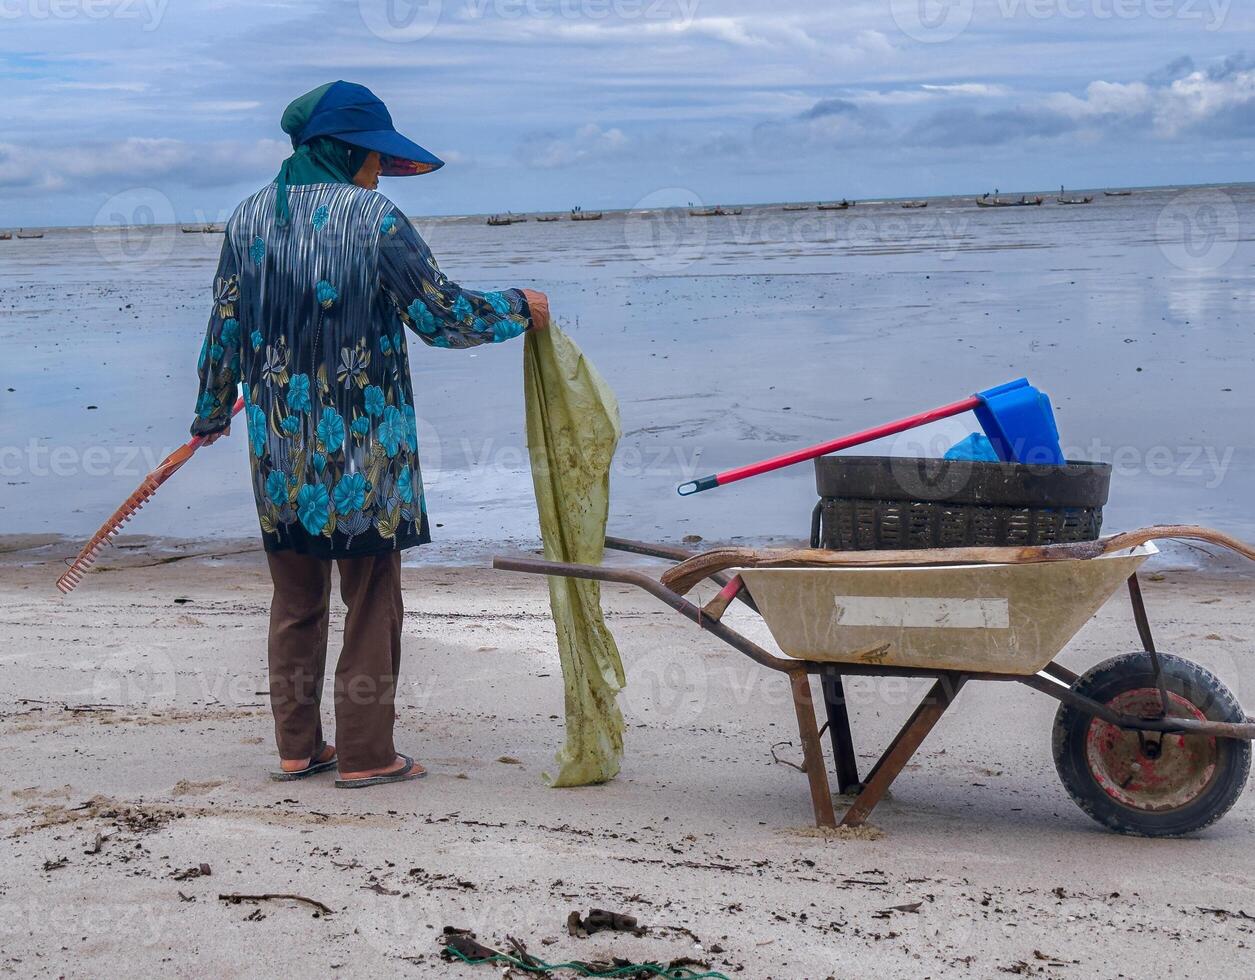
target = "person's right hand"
x: 538, y: 303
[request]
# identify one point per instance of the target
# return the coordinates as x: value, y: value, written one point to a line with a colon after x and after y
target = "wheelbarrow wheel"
x: 1145, y: 783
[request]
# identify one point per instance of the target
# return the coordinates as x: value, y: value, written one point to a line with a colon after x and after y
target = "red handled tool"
x: 143, y: 493
x: 1016, y: 417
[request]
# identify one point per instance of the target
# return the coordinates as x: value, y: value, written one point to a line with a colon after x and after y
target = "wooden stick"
x: 235, y: 899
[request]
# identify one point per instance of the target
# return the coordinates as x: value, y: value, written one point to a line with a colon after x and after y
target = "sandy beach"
x: 136, y: 749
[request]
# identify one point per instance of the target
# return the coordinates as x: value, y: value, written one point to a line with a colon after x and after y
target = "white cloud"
x: 1188, y: 104
x: 589, y: 142
x: 978, y: 89
x: 131, y: 162
x: 100, y: 87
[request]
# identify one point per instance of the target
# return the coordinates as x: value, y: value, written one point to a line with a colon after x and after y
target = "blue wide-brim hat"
x: 354, y: 114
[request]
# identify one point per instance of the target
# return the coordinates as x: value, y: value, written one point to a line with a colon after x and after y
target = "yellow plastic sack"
x: 572, y: 431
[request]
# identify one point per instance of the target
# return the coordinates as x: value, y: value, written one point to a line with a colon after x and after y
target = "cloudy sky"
x: 542, y: 104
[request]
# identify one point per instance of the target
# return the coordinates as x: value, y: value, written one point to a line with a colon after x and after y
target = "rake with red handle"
x: 143, y: 493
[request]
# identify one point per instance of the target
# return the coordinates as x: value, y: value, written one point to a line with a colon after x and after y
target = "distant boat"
x: 1075, y: 200
x: 5, y: 236
x: 797, y: 207
x: 29, y: 234
x: 836, y: 206
x: 579, y: 214
x: 997, y: 202
x: 199, y: 230
x: 497, y: 220
x: 913, y: 205
x: 715, y: 212
x: 1117, y: 193
x: 548, y: 217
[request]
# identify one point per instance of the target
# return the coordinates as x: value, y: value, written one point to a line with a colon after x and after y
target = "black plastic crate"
x: 870, y: 503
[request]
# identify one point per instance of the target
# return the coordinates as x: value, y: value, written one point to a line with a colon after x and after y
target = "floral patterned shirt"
x: 310, y: 321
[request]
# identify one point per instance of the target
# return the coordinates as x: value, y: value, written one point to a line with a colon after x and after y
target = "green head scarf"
x: 321, y: 160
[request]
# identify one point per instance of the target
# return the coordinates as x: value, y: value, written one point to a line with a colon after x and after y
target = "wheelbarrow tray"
x: 1006, y: 619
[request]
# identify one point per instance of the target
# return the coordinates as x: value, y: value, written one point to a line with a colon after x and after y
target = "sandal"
x: 313, y: 769
x: 411, y: 770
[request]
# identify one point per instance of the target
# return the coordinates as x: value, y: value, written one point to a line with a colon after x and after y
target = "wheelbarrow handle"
x: 845, y: 442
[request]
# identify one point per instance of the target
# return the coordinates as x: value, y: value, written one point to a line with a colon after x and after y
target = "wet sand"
x: 136, y: 748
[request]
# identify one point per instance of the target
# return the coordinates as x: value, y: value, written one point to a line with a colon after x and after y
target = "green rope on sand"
x: 655, y: 969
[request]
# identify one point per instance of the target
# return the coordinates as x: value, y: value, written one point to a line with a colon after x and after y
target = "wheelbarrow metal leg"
x: 900, y: 750
x: 1148, y: 641
x: 812, y: 749
x: 839, y: 732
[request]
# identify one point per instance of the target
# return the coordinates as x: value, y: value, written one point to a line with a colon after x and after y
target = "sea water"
x: 727, y: 339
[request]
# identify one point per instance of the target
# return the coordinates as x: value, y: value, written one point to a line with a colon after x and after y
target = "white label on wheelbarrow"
x: 923, y: 613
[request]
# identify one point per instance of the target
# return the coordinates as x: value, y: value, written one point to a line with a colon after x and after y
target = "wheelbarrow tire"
x: 1191, y: 781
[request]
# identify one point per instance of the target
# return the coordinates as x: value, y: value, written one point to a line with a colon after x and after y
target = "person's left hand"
x: 215, y: 436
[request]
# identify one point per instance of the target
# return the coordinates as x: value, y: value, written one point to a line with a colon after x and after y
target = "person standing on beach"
x: 320, y: 279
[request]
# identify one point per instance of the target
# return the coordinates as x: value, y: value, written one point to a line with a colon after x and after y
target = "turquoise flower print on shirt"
x: 298, y: 393
x: 206, y: 404
x: 313, y: 507
x: 424, y: 319
x: 319, y: 315
x: 277, y: 488
x: 331, y: 430
x: 504, y: 330
x: 257, y: 430
x: 375, y: 400
x: 327, y: 294
x: 350, y: 493
x: 392, y: 430
x: 411, y: 428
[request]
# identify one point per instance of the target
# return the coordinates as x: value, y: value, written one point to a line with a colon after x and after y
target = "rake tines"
x: 142, y: 494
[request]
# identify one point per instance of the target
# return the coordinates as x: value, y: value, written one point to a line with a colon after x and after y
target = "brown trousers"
x: 366, y: 673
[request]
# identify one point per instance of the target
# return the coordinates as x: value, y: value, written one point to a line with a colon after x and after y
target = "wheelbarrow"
x: 1146, y: 743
